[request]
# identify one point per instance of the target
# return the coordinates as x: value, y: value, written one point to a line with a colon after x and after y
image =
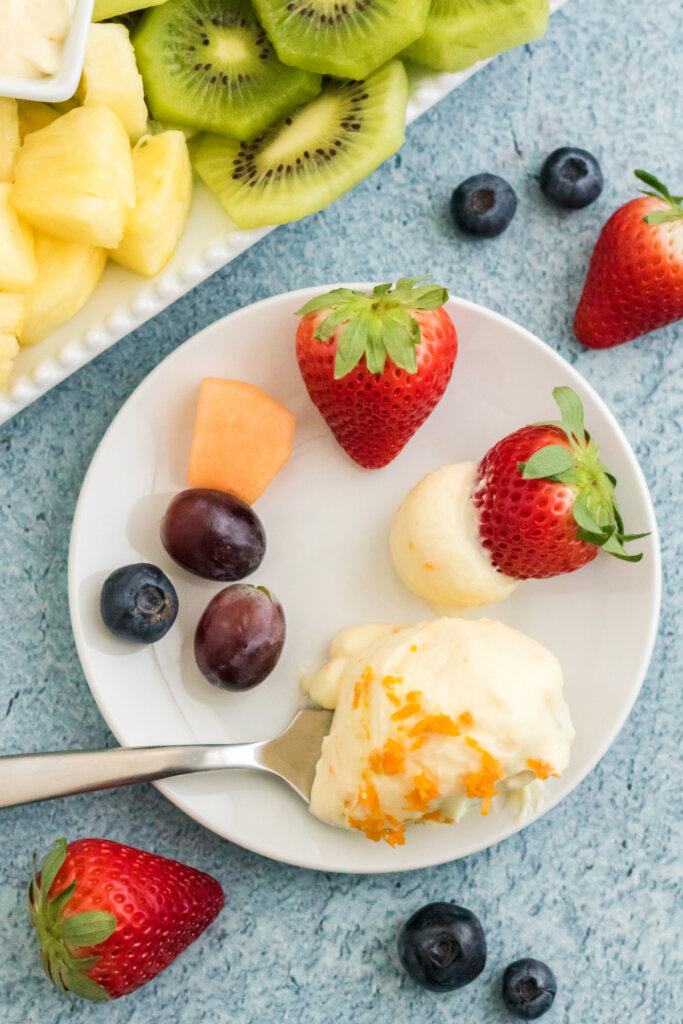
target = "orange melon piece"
x: 242, y: 438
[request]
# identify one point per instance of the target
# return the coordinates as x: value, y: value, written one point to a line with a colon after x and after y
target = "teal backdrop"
x: 594, y: 887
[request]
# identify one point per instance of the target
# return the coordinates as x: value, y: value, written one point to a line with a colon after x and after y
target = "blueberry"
x: 483, y: 205
x: 138, y: 603
x: 571, y: 178
x: 529, y: 988
x: 442, y: 947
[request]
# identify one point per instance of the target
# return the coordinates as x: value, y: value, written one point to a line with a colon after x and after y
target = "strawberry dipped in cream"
x: 434, y: 720
x: 539, y: 504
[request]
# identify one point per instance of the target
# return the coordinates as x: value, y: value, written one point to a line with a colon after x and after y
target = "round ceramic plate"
x: 327, y: 523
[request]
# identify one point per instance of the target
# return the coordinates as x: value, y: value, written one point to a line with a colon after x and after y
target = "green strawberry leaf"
x: 614, y: 547
x: 375, y: 353
x: 381, y: 289
x: 406, y: 283
x: 59, y: 902
x: 327, y: 301
x: 585, y: 518
x: 572, y: 412
x: 570, y: 477
x: 626, y: 537
x: 599, y: 539
x: 329, y: 325
x: 51, y: 866
x: 660, y: 191
x: 89, y: 928
x: 428, y: 298
x: 547, y: 462
x: 399, y: 343
x: 663, y: 216
x: 654, y: 183
x: 81, y: 985
x: 350, y: 348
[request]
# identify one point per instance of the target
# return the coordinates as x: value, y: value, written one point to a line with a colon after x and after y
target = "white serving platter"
x: 124, y: 300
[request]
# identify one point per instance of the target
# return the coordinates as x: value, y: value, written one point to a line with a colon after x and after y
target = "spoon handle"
x: 25, y: 778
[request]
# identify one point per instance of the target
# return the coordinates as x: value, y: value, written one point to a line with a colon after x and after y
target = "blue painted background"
x: 593, y: 886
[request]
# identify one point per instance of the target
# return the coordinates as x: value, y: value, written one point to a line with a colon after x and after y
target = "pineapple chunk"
x: 8, y: 351
x: 110, y: 76
x: 11, y: 312
x: 163, y: 190
x: 17, y: 261
x: 68, y: 273
x: 74, y: 179
x: 9, y: 137
x: 34, y: 115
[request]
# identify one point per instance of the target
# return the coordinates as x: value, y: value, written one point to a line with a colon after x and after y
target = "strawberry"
x: 635, y: 278
x: 545, y: 502
x: 109, y: 918
x: 376, y: 365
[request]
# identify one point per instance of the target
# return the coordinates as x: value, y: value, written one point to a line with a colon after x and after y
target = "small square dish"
x: 50, y: 88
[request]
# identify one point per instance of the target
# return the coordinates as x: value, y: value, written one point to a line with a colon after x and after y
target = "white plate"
x: 124, y: 300
x: 327, y: 524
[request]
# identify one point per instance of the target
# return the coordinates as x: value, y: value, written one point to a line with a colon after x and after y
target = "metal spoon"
x: 292, y: 757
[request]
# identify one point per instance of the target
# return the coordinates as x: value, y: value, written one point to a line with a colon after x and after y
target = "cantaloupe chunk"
x: 242, y: 438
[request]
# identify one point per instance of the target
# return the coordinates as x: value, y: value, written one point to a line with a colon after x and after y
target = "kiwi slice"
x: 311, y: 157
x: 348, y: 38
x: 208, y: 64
x: 461, y: 32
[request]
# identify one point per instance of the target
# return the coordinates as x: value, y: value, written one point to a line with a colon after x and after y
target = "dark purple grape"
x: 213, y: 534
x: 240, y: 636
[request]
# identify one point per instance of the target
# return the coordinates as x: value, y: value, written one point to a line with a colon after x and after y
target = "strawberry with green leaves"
x: 109, y: 918
x: 545, y: 502
x: 635, y: 279
x: 376, y: 365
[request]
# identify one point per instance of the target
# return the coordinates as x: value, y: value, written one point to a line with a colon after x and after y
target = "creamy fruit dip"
x: 33, y: 34
x: 434, y: 720
x: 435, y: 543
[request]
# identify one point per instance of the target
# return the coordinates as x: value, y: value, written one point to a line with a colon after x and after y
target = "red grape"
x: 213, y: 534
x: 240, y: 636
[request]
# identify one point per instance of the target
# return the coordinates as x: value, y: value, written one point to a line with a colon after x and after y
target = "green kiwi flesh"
x: 311, y: 157
x: 104, y: 9
x: 347, y: 38
x: 461, y: 32
x: 208, y: 64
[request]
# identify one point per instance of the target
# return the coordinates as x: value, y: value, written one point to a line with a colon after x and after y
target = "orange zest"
x: 410, y: 708
x: 482, y: 783
x: 441, y: 724
x: 437, y: 816
x: 389, y: 682
x: 361, y: 690
x: 425, y: 791
x: 391, y: 760
x: 466, y: 718
x: 375, y: 824
x: 541, y: 769
x: 376, y: 831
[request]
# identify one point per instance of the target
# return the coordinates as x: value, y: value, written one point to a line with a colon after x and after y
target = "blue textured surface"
x: 593, y: 887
